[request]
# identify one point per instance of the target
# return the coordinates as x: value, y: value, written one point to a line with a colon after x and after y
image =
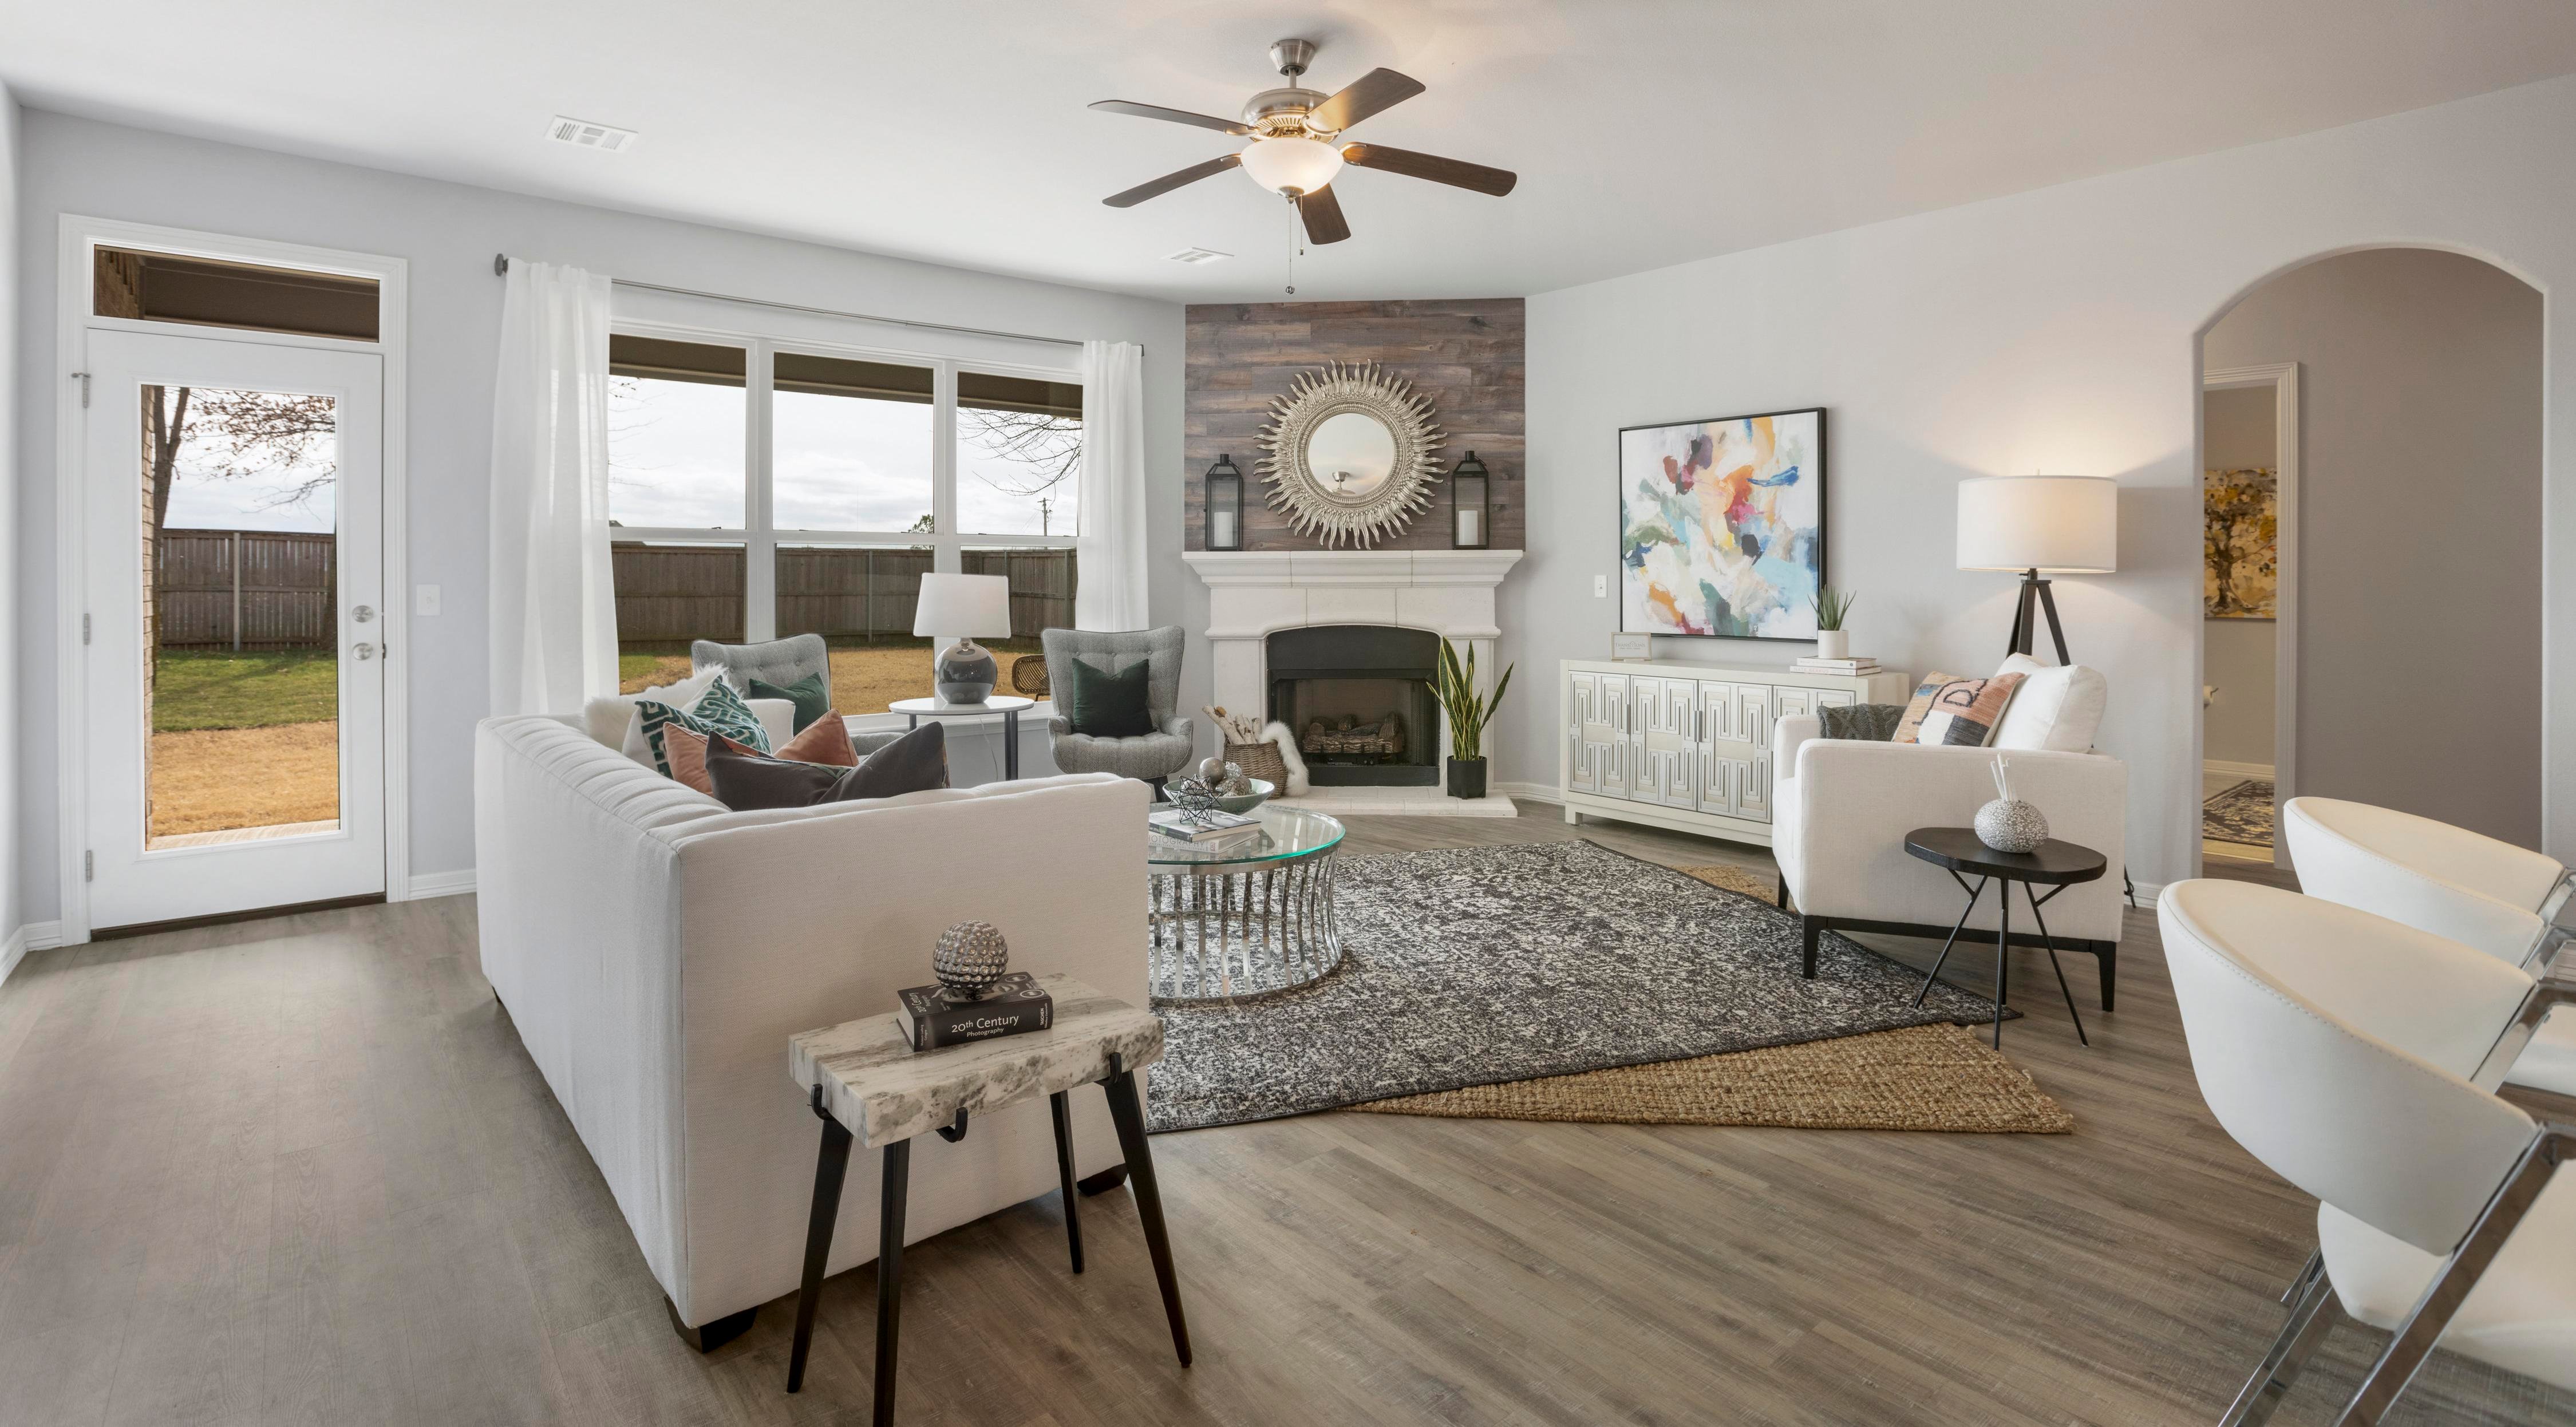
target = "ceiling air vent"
x: 1199, y: 255
x: 581, y: 133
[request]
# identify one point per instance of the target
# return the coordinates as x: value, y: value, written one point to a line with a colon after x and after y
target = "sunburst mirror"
x: 1351, y: 454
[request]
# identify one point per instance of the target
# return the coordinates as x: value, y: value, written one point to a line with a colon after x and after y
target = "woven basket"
x: 1259, y: 760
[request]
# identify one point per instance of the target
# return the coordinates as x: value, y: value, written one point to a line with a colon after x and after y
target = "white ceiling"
x: 954, y: 130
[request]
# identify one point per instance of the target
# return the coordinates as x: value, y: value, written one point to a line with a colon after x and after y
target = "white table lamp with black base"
x: 968, y: 607
x: 2035, y: 526
x: 868, y: 1085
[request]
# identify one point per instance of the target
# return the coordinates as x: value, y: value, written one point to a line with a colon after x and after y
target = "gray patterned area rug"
x: 1472, y: 966
x: 2240, y: 814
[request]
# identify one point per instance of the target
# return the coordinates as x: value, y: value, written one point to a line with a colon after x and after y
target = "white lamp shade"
x: 976, y: 606
x: 1291, y: 165
x: 2061, y: 525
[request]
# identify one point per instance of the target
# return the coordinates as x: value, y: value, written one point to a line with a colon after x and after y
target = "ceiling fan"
x: 1296, y: 143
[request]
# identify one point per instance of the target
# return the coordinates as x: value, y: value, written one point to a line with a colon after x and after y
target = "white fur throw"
x: 1278, y: 733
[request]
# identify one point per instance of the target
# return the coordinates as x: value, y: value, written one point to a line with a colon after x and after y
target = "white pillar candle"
x: 1468, y: 533
x: 1221, y: 530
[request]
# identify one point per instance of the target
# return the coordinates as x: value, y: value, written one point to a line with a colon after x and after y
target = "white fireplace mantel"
x: 1253, y: 594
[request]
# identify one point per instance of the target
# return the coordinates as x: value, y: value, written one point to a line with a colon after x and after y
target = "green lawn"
x: 209, y: 688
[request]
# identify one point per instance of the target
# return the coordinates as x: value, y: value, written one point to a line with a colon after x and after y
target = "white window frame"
x: 77, y: 237
x: 759, y: 535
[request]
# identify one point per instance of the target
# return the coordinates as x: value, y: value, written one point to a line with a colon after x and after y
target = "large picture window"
x: 762, y: 489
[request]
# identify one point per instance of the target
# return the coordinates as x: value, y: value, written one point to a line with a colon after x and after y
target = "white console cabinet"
x: 1688, y: 746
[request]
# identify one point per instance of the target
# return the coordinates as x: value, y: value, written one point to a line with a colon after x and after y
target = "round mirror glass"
x: 1350, y: 454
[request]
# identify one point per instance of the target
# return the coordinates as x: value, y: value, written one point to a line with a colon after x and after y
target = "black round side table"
x: 2053, y: 864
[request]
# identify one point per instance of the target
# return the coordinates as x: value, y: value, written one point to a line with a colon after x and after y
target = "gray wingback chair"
x: 1152, y: 757
x: 781, y: 662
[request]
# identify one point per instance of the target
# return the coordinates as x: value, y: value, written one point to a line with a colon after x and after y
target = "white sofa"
x: 655, y: 951
x: 1841, y: 810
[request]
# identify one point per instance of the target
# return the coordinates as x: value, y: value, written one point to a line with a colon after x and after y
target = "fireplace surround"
x: 1350, y: 600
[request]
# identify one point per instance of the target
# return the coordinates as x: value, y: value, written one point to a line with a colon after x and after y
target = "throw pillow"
x: 1102, y: 703
x: 826, y: 740
x: 1958, y: 712
x: 718, y: 710
x: 826, y: 744
x: 811, y: 699
x: 611, y: 719
x: 2059, y: 707
x: 1868, y: 723
x: 914, y: 763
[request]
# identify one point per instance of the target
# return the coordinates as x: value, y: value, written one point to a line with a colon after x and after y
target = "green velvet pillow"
x: 1105, y: 704
x: 811, y: 699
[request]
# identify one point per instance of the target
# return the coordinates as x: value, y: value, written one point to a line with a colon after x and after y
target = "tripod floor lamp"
x: 2039, y: 525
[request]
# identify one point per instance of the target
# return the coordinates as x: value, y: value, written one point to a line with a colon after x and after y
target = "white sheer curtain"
x: 1109, y: 554
x: 554, y: 608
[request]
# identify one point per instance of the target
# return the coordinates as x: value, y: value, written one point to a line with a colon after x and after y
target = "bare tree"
x: 241, y: 433
x: 1048, y: 447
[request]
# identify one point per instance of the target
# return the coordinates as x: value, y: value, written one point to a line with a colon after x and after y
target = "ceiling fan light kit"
x: 1296, y: 147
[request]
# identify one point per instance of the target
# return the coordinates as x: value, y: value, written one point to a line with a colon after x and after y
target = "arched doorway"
x: 2372, y: 597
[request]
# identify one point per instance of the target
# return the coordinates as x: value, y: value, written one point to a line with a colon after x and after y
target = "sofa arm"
x: 1789, y: 733
x: 1856, y: 801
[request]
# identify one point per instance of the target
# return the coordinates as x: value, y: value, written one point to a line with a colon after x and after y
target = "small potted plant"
x: 1832, y: 607
x: 1468, y: 713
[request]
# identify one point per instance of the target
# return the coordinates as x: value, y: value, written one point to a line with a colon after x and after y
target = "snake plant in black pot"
x: 1468, y: 713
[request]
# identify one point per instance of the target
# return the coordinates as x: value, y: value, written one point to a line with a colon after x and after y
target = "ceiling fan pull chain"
x: 1296, y: 242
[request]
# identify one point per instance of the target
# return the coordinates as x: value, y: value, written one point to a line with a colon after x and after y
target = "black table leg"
x: 1979, y: 891
x: 1062, y: 1108
x: 2047, y: 941
x: 1129, y: 1116
x: 830, y: 1165
x: 2003, y: 940
x: 1011, y: 751
x: 898, y: 1178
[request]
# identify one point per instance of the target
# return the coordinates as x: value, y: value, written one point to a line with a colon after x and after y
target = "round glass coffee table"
x: 1245, y: 918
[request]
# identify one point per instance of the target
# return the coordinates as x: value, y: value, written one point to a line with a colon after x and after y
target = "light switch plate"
x: 1601, y: 587
x: 424, y: 599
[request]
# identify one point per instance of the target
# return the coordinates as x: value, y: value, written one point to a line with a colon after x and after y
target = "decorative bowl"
x: 1262, y: 790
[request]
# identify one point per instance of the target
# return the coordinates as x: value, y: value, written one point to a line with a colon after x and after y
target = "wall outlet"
x: 424, y: 599
x: 1601, y: 587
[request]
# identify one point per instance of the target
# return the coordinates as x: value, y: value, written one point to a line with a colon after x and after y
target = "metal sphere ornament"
x: 969, y: 958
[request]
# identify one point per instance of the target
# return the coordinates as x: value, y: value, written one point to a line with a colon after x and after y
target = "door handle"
x: 363, y: 613
x: 364, y: 651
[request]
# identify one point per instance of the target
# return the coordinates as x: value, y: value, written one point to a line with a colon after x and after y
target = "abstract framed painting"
x: 1722, y: 525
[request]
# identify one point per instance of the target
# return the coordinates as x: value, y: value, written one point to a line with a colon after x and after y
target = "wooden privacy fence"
x: 668, y: 593
x: 246, y: 589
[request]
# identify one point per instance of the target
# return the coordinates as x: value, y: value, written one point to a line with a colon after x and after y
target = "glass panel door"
x: 234, y: 655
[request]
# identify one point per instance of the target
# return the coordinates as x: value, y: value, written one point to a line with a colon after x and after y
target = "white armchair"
x: 1841, y: 809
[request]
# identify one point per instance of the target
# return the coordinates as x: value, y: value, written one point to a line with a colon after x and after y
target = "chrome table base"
x: 1227, y: 934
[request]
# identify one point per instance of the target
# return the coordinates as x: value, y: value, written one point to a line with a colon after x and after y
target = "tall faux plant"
x: 1468, y: 713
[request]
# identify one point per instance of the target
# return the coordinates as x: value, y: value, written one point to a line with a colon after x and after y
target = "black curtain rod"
x: 501, y: 268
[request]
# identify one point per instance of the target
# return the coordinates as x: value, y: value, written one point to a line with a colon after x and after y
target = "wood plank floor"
x: 300, y: 1171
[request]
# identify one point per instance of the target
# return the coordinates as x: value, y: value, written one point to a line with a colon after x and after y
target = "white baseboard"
x: 440, y: 884
x: 2236, y: 770
x: 34, y: 936
x: 1536, y: 792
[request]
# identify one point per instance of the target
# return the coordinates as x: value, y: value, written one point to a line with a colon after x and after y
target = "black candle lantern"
x: 1224, y: 505
x: 1471, y: 521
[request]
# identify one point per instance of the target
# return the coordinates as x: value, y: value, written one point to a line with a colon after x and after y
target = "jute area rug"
x: 1471, y: 968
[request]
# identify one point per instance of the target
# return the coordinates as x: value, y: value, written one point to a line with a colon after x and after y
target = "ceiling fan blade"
x: 1457, y: 173
x: 1374, y: 92
x: 1177, y: 116
x: 1170, y: 181
x: 1323, y: 215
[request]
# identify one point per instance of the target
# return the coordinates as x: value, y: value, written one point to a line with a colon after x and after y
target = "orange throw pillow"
x: 1959, y: 712
x: 826, y: 741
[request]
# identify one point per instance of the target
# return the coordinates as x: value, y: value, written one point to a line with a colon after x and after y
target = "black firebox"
x: 1359, y: 699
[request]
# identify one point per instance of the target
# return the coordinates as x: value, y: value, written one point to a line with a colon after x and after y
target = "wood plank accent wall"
x: 1466, y: 356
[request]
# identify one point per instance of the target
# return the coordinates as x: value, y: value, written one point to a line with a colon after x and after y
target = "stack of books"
x: 1216, y: 827
x: 934, y: 1016
x: 1848, y: 667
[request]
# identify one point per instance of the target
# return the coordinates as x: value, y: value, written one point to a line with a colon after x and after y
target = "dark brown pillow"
x: 746, y: 782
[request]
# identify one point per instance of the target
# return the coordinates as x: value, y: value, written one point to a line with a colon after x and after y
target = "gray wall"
x: 2238, y: 654
x: 13, y: 899
x: 449, y: 233
x: 2419, y: 678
